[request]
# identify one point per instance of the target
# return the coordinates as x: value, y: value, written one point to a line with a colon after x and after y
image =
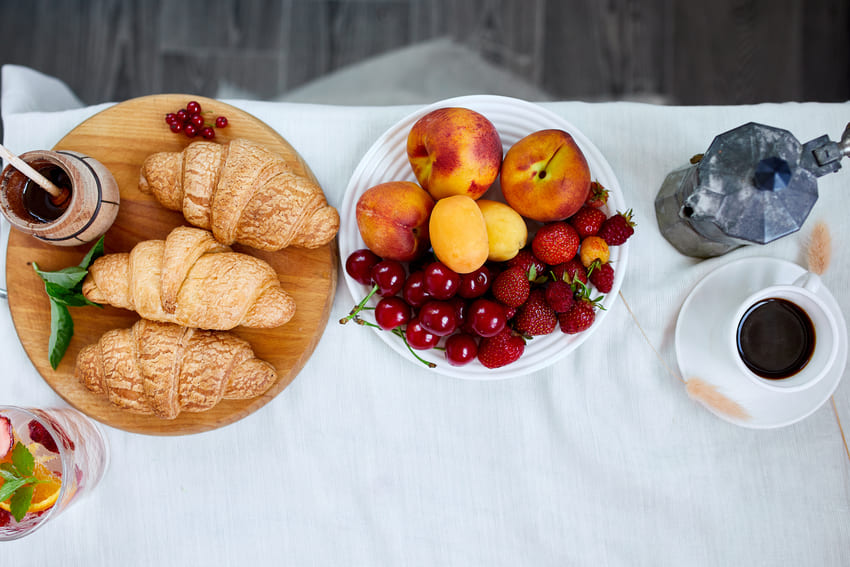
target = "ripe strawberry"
x: 617, y: 228
x: 602, y: 276
x: 511, y: 287
x: 570, y: 270
x: 7, y: 436
x: 500, y: 350
x: 526, y: 259
x: 535, y: 317
x: 581, y: 315
x: 559, y: 296
x: 593, y: 248
x: 555, y: 242
x: 587, y: 221
x: 598, y: 195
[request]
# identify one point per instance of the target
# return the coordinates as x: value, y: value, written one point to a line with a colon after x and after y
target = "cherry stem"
x: 398, y: 332
x: 359, y: 307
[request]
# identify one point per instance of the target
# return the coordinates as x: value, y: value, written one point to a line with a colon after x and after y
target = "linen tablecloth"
x: 368, y: 459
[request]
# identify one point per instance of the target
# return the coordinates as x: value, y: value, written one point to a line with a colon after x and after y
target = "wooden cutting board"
x: 121, y: 137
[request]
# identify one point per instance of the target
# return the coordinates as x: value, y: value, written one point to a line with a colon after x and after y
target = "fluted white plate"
x: 387, y: 160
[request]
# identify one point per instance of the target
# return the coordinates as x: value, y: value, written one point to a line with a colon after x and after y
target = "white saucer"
x: 703, y: 352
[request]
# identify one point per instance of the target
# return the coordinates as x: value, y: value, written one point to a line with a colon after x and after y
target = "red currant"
x: 440, y: 281
x: 388, y: 275
x: 193, y: 107
x: 176, y: 127
x: 220, y: 122
x: 461, y: 349
x: 190, y: 130
x: 359, y: 264
x: 475, y: 284
x: 170, y: 118
x: 391, y: 312
x: 487, y: 318
x: 207, y: 133
x: 414, y: 292
x: 418, y: 338
x: 182, y: 115
x: 438, y: 317
x: 197, y: 120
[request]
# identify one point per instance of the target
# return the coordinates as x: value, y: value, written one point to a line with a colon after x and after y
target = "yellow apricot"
x: 506, y: 230
x: 459, y: 234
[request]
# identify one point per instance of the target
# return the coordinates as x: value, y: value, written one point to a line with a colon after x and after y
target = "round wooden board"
x: 121, y: 137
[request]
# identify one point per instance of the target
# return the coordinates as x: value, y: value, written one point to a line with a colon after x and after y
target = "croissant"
x: 163, y: 369
x: 242, y: 192
x: 192, y: 280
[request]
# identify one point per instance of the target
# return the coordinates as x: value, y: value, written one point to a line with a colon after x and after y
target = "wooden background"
x: 677, y: 52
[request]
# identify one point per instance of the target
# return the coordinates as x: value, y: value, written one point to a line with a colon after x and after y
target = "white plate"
x: 703, y: 352
x: 387, y: 160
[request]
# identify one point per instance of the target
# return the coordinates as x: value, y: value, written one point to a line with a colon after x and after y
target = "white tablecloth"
x: 367, y: 459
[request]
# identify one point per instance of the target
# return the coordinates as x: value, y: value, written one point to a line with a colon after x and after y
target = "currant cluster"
x: 191, y: 122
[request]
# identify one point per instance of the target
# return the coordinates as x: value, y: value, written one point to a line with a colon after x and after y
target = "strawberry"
x: 501, y: 349
x: 570, y: 270
x: 597, y: 196
x: 511, y: 287
x: 602, y: 276
x: 535, y: 317
x: 581, y: 315
x: 593, y: 248
x: 39, y: 434
x: 526, y: 259
x: 617, y: 228
x: 7, y: 436
x: 559, y: 295
x: 555, y: 242
x: 587, y: 221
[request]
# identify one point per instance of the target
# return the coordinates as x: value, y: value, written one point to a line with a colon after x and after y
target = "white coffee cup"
x: 802, y: 293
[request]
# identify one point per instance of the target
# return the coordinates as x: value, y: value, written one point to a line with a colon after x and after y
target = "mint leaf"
x: 93, y: 254
x: 22, y: 459
x: 61, y: 331
x: 20, y: 502
x: 10, y: 487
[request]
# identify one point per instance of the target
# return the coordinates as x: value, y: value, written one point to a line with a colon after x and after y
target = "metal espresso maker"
x: 754, y: 184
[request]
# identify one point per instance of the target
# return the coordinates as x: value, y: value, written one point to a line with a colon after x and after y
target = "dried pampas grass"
x: 708, y: 395
x: 819, y: 251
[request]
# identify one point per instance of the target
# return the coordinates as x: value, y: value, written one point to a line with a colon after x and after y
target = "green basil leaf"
x: 93, y: 254
x: 65, y: 296
x: 20, y: 502
x: 66, y: 277
x: 61, y: 331
x: 10, y: 487
x: 22, y: 459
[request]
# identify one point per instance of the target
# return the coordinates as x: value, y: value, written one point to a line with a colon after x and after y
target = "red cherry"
x: 193, y: 107
x: 418, y: 338
x: 391, y: 312
x: 359, y: 264
x: 440, y: 281
x: 414, y: 292
x: 388, y: 275
x: 486, y: 318
x: 461, y: 349
x: 438, y: 317
x: 207, y: 133
x: 475, y: 284
x: 220, y: 122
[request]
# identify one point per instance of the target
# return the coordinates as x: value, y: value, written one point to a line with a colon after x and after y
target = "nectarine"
x: 393, y: 220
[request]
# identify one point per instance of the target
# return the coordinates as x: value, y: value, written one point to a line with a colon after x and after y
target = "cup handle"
x: 809, y: 280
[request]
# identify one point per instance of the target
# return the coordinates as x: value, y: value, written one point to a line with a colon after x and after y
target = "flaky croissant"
x: 163, y: 369
x: 192, y: 280
x: 243, y: 192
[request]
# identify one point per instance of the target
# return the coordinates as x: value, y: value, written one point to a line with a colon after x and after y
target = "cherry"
x: 440, y: 281
x: 414, y: 292
x: 391, y: 312
x: 221, y: 122
x: 486, y: 317
x: 388, y: 275
x: 193, y: 107
x: 438, y: 317
x: 418, y: 338
x: 207, y: 133
x: 359, y: 264
x: 461, y: 307
x: 461, y: 349
x: 475, y: 284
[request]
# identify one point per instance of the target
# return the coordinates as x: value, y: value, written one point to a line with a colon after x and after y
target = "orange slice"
x: 44, y: 494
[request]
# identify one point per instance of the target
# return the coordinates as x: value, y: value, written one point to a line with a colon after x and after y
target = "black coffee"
x: 776, y: 338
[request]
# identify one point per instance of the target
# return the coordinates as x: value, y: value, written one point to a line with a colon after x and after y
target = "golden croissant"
x: 192, y: 280
x: 163, y: 369
x: 243, y: 192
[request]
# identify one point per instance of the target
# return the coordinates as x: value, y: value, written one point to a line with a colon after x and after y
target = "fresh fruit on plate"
x: 459, y: 234
x: 454, y: 151
x: 393, y: 220
x: 507, y: 232
x: 545, y: 176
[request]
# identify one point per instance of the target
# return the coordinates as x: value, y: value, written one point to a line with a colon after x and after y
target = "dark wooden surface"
x: 720, y: 52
